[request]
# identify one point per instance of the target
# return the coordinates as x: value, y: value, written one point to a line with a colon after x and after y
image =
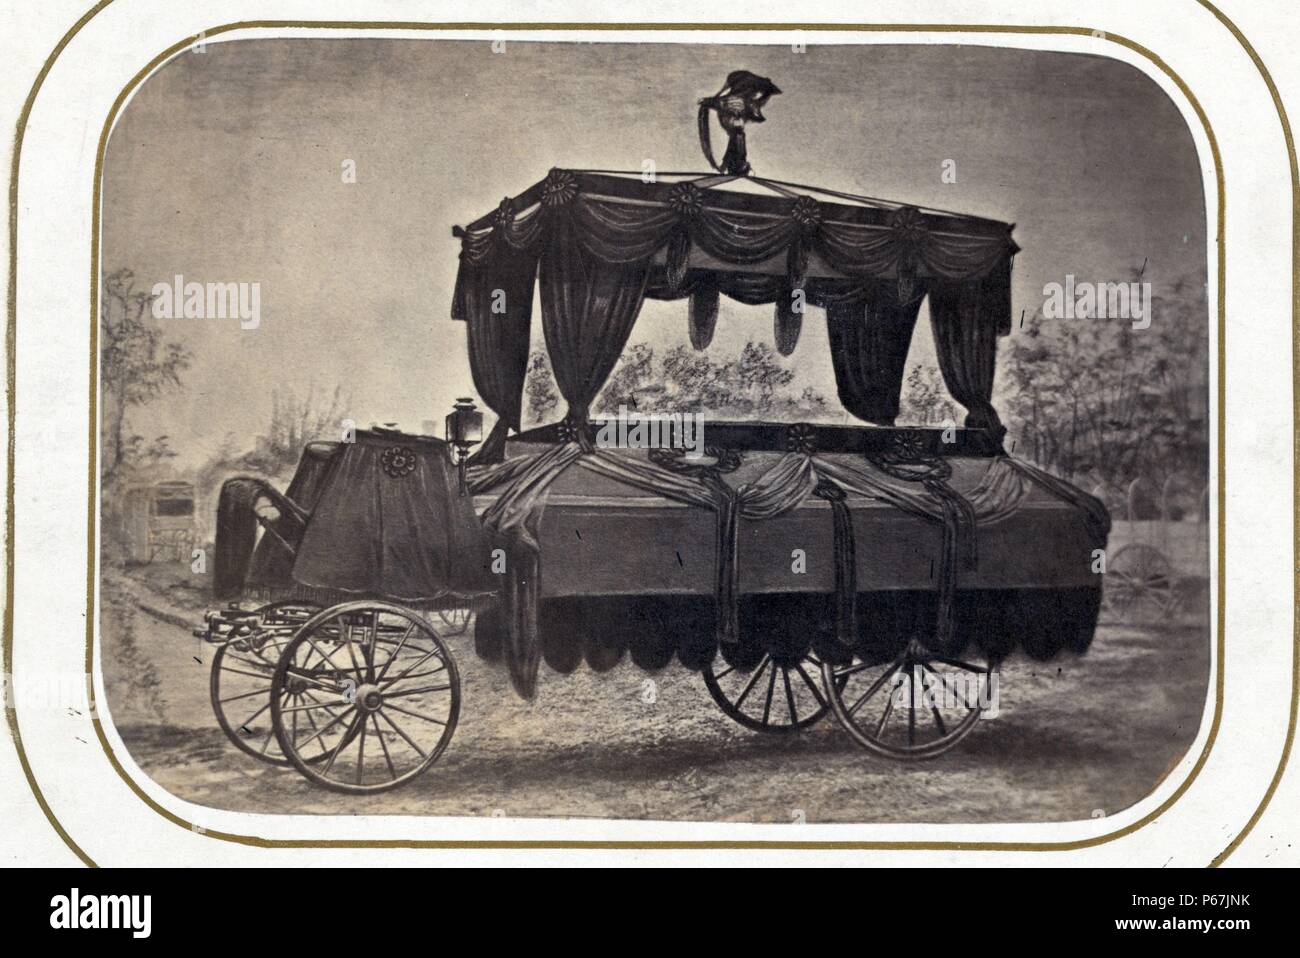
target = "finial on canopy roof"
x: 740, y: 101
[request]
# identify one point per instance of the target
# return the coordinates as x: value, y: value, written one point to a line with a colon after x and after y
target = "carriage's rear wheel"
x: 455, y: 621
x: 383, y: 697
x: 240, y: 682
x: 919, y: 705
x: 776, y: 697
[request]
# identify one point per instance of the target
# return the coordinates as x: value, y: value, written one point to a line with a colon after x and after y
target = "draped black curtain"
x: 869, y: 341
x: 496, y: 301
x: 588, y: 309
x: 967, y: 318
x: 592, y: 242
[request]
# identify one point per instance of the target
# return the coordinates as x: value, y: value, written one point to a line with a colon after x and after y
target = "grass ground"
x: 1074, y: 736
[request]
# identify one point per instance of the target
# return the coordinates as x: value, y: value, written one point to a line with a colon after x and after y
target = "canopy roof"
x: 763, y: 213
x: 598, y: 243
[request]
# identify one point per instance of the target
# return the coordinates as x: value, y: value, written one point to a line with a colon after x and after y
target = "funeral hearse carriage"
x: 929, y: 555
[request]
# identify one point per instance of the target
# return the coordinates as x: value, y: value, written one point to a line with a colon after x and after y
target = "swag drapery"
x: 598, y: 245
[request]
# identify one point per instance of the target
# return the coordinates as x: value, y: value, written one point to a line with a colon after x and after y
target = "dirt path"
x: 1073, y: 736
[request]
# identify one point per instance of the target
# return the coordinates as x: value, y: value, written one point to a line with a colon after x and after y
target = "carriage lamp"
x: 464, y: 429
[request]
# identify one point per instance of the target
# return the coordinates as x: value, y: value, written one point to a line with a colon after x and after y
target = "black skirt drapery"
x: 598, y: 245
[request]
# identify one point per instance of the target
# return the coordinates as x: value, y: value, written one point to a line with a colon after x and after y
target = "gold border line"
x: 92, y: 476
x: 1220, y: 858
x: 11, y: 332
x: 11, y: 372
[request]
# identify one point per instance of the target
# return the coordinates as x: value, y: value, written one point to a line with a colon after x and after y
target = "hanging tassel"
x: 703, y: 313
x: 845, y: 554
x: 906, y: 279
x: 726, y: 589
x: 796, y: 263
x: 677, y: 258
x: 523, y: 646
x: 789, y: 321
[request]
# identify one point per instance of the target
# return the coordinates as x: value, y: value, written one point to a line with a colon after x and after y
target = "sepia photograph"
x: 702, y: 432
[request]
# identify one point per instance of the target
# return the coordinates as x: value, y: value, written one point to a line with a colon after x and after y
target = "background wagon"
x: 161, y: 521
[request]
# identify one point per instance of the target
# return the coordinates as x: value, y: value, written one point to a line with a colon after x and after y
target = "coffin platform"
x: 627, y: 574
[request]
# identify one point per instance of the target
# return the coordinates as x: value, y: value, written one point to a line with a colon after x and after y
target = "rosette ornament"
x: 398, y: 461
x: 910, y: 234
x: 559, y: 189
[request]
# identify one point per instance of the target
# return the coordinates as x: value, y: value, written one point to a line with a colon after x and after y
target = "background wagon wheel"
x: 240, y: 682
x: 919, y: 705
x: 456, y: 621
x: 383, y: 697
x: 1139, y: 582
x: 773, y: 697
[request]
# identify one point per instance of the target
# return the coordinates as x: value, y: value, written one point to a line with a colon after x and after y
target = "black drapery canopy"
x: 599, y: 244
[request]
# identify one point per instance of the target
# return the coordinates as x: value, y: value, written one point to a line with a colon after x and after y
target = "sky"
x: 226, y: 166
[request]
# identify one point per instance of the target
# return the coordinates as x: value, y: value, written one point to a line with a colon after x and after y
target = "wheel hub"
x: 369, y: 697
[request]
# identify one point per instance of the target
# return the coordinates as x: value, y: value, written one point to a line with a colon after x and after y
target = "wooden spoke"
x: 419, y: 715
x: 252, y: 717
x: 359, y: 720
x: 875, y: 686
x: 812, y: 686
x: 767, y: 702
x: 361, y: 751
x: 958, y: 664
x: 243, y: 695
x: 789, y: 696
x: 420, y: 691
x: 252, y: 675
x: 288, y: 709
x: 330, y: 725
x: 424, y: 658
x: 801, y: 704
x: 398, y: 730
x: 926, y: 687
x: 415, y: 675
x: 934, y: 709
x: 383, y: 746
x: 396, y: 652
x: 758, y: 673
x: 884, y: 717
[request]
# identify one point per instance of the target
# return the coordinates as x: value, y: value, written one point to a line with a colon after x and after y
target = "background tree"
x: 293, y: 423
x: 925, y: 400
x: 681, y: 379
x: 1094, y: 399
x: 136, y: 366
x: 539, y: 387
x: 275, y: 451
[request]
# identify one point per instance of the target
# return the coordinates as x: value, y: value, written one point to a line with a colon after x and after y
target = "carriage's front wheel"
x: 917, y: 706
x: 383, y: 697
x: 773, y: 697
